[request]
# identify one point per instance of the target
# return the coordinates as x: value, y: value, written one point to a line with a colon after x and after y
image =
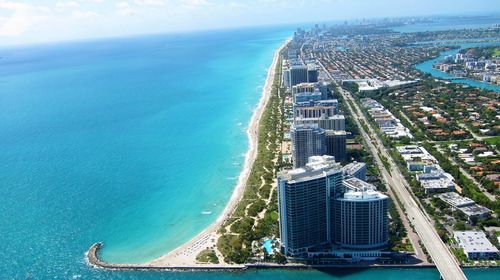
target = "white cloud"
x: 67, y: 4
x: 84, y: 14
x: 125, y: 9
x: 150, y: 2
x: 23, y: 17
x: 122, y: 5
x: 196, y: 3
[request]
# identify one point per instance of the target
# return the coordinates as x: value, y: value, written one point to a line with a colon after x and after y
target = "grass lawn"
x: 207, y: 256
x: 496, y: 52
x: 274, y: 215
x: 493, y: 140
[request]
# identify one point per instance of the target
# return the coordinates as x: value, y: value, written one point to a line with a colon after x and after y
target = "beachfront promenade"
x: 444, y: 260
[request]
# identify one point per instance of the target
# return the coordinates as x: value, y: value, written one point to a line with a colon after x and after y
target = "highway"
x: 444, y: 260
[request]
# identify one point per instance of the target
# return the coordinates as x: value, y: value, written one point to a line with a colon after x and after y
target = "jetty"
x: 93, y: 259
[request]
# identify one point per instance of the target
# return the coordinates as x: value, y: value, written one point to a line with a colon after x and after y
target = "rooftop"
x: 437, y: 184
x: 317, y: 167
x: 455, y: 200
x: 475, y: 210
x: 368, y: 194
x: 474, y: 242
x: 324, y: 117
x: 353, y: 167
x: 358, y: 185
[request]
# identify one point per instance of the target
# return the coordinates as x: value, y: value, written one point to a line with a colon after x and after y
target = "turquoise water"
x: 127, y: 141
x: 124, y: 141
x: 426, y: 66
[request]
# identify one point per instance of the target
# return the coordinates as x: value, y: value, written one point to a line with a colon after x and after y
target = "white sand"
x: 185, y: 255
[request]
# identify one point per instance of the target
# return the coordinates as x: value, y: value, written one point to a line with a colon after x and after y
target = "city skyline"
x: 24, y: 22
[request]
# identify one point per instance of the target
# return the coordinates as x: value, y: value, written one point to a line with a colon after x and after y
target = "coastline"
x: 427, y: 66
x: 185, y: 254
x: 94, y: 261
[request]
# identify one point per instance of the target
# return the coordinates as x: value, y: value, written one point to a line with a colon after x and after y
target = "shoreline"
x: 94, y: 261
x: 185, y: 254
x: 467, y: 81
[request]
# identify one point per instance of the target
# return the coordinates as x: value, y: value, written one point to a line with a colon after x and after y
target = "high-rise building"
x: 307, y: 140
x: 319, y: 208
x: 307, y: 96
x: 338, y: 123
x: 355, y: 169
x: 336, y: 144
x: 303, y: 87
x: 298, y: 74
x: 306, y: 92
x: 361, y: 221
x: 323, y: 88
x: 312, y: 73
x: 304, y: 205
x: 335, y: 122
x: 286, y: 77
x: 315, y: 109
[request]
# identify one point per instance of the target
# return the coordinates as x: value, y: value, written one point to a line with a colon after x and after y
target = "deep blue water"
x: 127, y: 141
x: 426, y: 66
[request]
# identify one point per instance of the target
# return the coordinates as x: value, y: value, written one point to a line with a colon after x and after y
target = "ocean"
x: 127, y: 141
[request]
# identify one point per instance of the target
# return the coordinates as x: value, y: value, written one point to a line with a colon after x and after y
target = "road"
x: 444, y: 260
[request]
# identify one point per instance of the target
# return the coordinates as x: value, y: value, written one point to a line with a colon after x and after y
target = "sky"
x: 33, y: 21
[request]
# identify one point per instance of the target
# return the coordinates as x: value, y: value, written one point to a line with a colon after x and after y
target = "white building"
x: 475, y: 245
x: 436, y: 181
x: 455, y: 200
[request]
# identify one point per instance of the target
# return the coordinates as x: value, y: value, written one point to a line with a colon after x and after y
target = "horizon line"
x: 229, y: 28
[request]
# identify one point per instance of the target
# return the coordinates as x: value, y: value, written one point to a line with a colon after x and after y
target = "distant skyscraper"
x: 286, y: 77
x: 312, y: 73
x: 307, y: 140
x: 361, y: 221
x: 298, y: 74
x: 304, y: 205
x: 336, y: 144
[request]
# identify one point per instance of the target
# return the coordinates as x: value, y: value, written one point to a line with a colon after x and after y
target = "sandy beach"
x: 185, y: 255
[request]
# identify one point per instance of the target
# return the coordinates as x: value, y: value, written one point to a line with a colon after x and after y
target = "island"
x: 479, y: 63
